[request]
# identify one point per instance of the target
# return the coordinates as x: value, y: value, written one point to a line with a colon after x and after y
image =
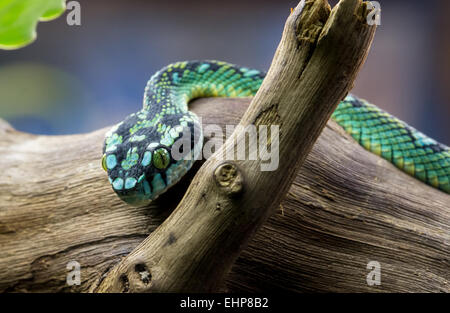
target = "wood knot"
x: 144, y: 273
x: 229, y: 178
x: 125, y: 283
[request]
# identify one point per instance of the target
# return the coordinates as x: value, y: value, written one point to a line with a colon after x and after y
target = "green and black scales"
x: 137, y: 151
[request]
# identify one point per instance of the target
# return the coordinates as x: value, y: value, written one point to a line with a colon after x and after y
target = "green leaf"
x: 19, y: 18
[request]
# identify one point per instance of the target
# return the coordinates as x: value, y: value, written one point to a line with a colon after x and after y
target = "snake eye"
x: 161, y: 158
x: 104, y: 163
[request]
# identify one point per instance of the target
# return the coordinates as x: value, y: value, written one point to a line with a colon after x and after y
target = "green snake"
x: 137, y: 153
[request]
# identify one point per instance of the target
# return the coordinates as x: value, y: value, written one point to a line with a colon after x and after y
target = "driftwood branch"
x: 345, y: 207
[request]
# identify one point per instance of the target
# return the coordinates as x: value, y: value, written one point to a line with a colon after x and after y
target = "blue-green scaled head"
x: 145, y: 155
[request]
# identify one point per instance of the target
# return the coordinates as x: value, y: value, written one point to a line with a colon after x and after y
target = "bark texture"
x: 345, y: 208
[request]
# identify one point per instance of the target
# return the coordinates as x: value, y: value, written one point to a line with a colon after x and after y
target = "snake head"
x: 144, y: 155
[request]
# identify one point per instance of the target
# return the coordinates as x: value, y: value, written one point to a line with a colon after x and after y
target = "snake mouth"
x: 136, y: 199
x: 139, y: 195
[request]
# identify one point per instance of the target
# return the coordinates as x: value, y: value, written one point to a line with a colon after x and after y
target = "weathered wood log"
x: 345, y: 208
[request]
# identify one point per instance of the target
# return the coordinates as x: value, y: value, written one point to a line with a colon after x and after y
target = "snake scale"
x: 137, y: 151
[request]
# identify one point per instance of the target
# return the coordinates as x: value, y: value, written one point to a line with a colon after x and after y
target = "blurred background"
x: 80, y: 78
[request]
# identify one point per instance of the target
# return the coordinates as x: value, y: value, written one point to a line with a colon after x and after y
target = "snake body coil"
x: 137, y: 151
